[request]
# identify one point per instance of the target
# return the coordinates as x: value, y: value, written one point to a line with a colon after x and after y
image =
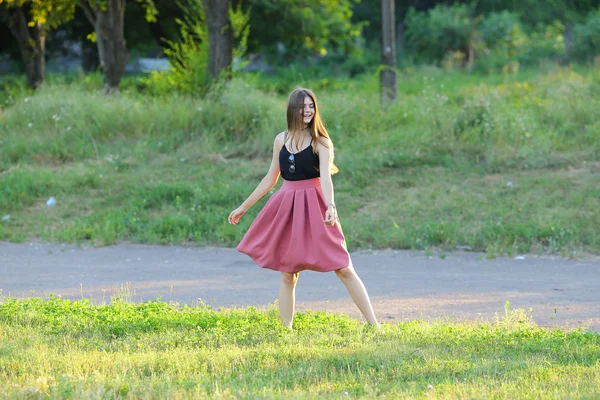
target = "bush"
x: 501, y: 30
x: 292, y: 30
x: 440, y: 31
x: 586, y: 37
x: 545, y: 42
x: 507, y: 46
x: 12, y: 88
x: 450, y: 35
x: 189, y: 57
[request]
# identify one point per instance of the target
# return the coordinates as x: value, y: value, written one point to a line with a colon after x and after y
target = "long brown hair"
x: 295, y: 120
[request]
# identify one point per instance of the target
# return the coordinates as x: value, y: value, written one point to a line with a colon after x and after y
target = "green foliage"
x: 521, y: 48
x: 12, y: 89
x: 189, y: 56
x: 546, y: 42
x: 501, y: 31
x: 329, y: 73
x: 289, y: 30
x: 498, y: 40
x: 365, y: 58
x: 447, y: 33
x: 586, y: 37
x: 149, y: 7
x: 441, y: 30
x: 532, y: 14
x: 240, y: 23
x: 50, y: 14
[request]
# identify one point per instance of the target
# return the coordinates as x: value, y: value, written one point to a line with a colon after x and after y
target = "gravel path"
x: 402, y: 284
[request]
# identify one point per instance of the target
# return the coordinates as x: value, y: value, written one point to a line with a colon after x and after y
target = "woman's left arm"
x: 325, y: 150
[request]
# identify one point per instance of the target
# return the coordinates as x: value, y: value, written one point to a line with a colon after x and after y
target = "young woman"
x: 289, y: 234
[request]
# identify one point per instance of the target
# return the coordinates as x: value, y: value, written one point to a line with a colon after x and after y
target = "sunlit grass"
x: 63, y: 349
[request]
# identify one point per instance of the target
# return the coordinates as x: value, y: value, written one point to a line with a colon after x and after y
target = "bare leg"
x: 287, y: 298
x: 358, y: 293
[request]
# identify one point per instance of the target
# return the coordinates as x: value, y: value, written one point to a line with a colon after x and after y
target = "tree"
x: 28, y: 21
x: 532, y: 13
x: 292, y: 30
x: 161, y: 29
x: 444, y: 31
x: 189, y: 56
x: 147, y: 36
x: 387, y: 75
x: 370, y: 11
x: 220, y: 36
x: 107, y: 18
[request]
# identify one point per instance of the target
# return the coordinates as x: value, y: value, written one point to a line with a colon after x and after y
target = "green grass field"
x: 62, y: 349
x: 499, y: 163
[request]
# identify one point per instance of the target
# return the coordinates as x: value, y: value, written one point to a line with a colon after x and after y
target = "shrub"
x: 586, y: 37
x: 440, y: 31
x: 189, y: 56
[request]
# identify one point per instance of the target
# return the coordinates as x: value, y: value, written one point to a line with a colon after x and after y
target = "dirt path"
x: 403, y: 285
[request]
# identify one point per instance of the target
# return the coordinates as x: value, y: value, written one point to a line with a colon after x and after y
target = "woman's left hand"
x: 331, y: 216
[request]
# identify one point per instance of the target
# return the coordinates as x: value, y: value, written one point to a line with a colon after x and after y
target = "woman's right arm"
x: 264, y: 186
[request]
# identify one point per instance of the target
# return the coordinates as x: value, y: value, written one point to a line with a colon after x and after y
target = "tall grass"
x: 63, y: 124
x: 498, y: 163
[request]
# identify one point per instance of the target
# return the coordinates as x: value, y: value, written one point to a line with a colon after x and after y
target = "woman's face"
x: 308, y: 110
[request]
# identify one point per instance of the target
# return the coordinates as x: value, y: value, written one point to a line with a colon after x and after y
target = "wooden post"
x: 387, y: 76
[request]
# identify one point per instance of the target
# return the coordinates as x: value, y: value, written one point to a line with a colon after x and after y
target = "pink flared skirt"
x: 289, y: 234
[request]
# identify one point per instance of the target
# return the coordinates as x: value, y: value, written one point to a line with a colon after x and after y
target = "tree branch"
x: 18, y: 26
x: 89, y: 13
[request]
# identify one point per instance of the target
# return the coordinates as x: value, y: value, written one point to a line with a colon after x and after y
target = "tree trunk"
x: 110, y: 38
x: 568, y: 40
x: 387, y: 75
x: 470, y: 51
x: 220, y: 37
x: 32, y: 45
x: 470, y: 57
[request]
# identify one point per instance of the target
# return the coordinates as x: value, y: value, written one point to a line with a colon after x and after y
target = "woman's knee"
x: 289, y: 278
x: 346, y: 273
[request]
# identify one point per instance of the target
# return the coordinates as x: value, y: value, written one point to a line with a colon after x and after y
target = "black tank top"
x: 303, y: 165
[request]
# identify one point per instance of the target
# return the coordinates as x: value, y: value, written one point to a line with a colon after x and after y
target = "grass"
x: 63, y: 349
x: 500, y: 163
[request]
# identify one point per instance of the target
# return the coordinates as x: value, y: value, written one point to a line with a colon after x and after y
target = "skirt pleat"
x: 289, y: 234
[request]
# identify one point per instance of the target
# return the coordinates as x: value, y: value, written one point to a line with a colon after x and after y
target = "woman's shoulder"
x: 323, y: 142
x: 280, y: 137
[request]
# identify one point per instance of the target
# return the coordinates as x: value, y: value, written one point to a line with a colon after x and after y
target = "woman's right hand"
x: 331, y: 215
x: 234, y: 217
